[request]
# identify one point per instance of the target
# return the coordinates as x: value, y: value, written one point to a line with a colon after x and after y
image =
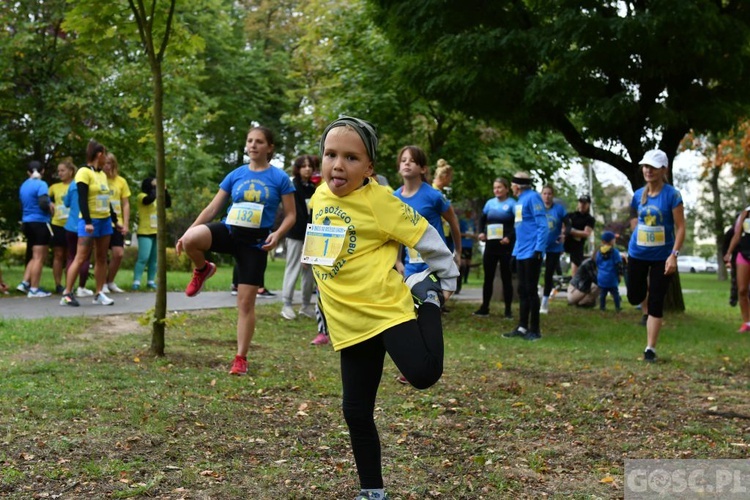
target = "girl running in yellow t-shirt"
x: 353, y: 242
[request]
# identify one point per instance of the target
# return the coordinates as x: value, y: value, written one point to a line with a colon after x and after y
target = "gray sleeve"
x: 435, y: 253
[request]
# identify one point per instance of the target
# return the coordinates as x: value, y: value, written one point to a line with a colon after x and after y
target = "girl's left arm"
x: 678, y: 213
x: 437, y: 256
x: 290, y: 216
x: 450, y: 216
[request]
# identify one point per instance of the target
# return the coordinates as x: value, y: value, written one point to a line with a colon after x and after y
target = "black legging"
x: 551, y: 263
x: 528, y: 280
x: 646, y: 277
x: 489, y: 264
x: 416, y: 347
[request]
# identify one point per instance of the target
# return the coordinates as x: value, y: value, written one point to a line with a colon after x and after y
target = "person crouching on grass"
x: 353, y: 242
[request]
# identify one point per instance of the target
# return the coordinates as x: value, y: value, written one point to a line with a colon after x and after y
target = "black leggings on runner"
x: 416, y: 347
x: 528, y: 280
x: 489, y: 264
x: 646, y: 277
x: 551, y: 262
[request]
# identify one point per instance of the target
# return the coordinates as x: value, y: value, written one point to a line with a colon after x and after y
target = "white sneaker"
x: 103, y: 300
x: 544, y: 309
x: 288, y: 313
x: 307, y: 311
x: 84, y: 292
x: 39, y: 293
x: 112, y: 288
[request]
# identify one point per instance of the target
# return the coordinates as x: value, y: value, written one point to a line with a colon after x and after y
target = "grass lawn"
x: 87, y: 413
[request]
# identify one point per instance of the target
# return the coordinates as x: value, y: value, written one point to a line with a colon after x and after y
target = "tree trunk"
x: 718, y: 229
x: 160, y: 306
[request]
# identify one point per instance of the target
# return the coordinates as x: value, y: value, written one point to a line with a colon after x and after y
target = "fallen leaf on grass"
x: 607, y: 479
x: 136, y: 360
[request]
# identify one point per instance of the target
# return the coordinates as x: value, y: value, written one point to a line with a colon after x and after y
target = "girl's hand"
x: 89, y: 228
x: 271, y: 242
x: 671, y: 265
x: 178, y: 247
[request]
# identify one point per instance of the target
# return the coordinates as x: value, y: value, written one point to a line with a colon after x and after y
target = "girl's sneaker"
x: 38, y: 294
x: 239, y: 366
x: 744, y: 328
x: 103, y: 300
x: 69, y: 300
x: 320, y: 339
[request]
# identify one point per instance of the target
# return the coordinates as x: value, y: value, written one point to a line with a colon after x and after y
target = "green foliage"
x: 607, y: 75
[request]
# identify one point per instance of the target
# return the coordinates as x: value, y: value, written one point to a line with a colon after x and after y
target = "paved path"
x: 19, y: 306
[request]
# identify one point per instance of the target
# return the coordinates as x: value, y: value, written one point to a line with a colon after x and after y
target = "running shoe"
x: 23, y: 287
x: 515, y: 333
x: 233, y: 290
x: 84, y: 292
x: 401, y: 379
x: 265, y: 293
x: 744, y: 328
x: 544, y: 309
x: 69, y: 300
x: 482, y: 313
x: 151, y: 285
x: 239, y: 366
x: 136, y: 286
x: 59, y: 289
x: 103, y: 300
x: 38, y: 293
x: 320, y: 339
x: 288, y: 313
x: 649, y: 356
x: 113, y: 288
x: 199, y: 279
x: 307, y: 311
x: 364, y: 495
x: 532, y: 336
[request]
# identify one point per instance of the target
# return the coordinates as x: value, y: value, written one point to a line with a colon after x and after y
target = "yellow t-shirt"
x: 361, y: 294
x: 146, y: 216
x: 118, y: 189
x: 56, y: 193
x: 98, y: 191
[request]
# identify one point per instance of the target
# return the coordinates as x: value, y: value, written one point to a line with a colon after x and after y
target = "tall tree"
x: 154, y: 25
x: 615, y: 78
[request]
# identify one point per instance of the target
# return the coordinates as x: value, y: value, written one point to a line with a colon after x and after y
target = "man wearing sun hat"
x: 578, y: 228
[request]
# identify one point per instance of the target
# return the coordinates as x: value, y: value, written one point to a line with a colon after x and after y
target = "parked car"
x: 693, y: 264
x: 711, y: 266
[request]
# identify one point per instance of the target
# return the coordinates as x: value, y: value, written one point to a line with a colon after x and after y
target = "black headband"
x: 364, y: 129
x: 521, y: 181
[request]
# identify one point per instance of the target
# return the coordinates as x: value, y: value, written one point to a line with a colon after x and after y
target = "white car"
x: 692, y: 264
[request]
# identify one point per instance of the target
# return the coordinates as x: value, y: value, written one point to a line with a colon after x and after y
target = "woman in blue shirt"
x: 255, y: 191
x: 555, y: 216
x: 496, y: 229
x: 34, y: 195
x: 658, y: 224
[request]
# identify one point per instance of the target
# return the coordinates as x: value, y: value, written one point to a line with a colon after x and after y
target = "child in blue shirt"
x: 609, y: 262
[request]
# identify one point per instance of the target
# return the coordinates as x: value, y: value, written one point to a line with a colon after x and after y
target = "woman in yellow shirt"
x: 94, y: 224
x: 65, y: 171
x: 119, y: 198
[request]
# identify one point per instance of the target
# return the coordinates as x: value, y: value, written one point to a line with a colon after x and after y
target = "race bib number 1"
x: 245, y: 214
x: 495, y: 232
x: 650, y: 236
x: 322, y: 244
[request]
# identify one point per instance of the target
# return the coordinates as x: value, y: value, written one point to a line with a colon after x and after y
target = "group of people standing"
x: 87, y: 211
x: 532, y: 228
